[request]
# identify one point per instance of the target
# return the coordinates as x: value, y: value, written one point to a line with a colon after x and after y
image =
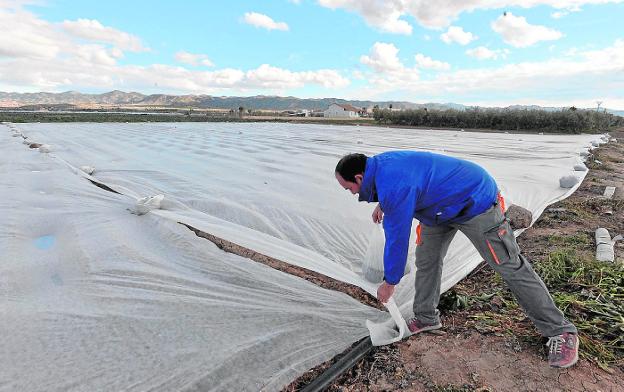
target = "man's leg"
x: 433, y: 245
x: 491, y: 234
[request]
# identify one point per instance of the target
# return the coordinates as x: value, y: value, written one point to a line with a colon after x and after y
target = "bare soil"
x: 304, y: 273
x: 484, y: 348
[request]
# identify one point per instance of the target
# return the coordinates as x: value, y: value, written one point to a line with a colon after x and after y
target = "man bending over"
x: 448, y: 194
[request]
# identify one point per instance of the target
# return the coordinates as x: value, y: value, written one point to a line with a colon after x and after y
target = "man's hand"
x: 377, y: 214
x: 385, y: 291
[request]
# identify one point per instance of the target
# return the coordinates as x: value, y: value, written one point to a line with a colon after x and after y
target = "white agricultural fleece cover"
x: 94, y: 297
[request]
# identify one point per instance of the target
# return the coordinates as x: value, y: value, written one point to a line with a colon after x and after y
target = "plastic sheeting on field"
x: 95, y: 297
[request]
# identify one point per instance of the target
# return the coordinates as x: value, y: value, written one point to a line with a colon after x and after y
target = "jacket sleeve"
x: 398, y: 210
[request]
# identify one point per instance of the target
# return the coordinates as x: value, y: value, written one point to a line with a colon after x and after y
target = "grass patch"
x: 579, y: 239
x: 591, y: 294
x: 588, y: 208
x: 453, y: 300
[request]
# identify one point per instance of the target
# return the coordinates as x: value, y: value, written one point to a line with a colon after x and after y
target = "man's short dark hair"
x: 350, y: 165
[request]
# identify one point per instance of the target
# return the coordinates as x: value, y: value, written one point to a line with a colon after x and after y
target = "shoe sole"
x: 425, y: 329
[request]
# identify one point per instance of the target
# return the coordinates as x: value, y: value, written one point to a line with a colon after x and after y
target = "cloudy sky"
x: 485, y: 52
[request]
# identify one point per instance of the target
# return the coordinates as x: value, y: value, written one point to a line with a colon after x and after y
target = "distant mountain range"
x: 120, y: 98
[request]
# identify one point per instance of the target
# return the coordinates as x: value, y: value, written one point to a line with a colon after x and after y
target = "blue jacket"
x: 435, y: 189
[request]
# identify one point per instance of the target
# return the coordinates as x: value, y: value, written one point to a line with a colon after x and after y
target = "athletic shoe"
x: 416, y: 326
x: 563, y: 350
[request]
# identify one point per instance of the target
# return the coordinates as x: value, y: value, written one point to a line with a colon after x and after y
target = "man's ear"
x: 359, y: 178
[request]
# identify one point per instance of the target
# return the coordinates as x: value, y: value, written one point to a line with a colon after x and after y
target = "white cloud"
x: 27, y: 37
x: 383, y: 58
x: 95, y: 54
x: 93, y: 30
x: 16, y: 4
x: 38, y: 55
x: 193, y: 59
x: 66, y: 74
x: 24, y: 35
x: 327, y: 78
x: 559, y: 14
x: 571, y: 52
x: 565, y: 12
x: 359, y: 75
x: 457, y: 34
x: 263, y: 21
x: 267, y: 76
x: 388, y: 68
x: 606, y: 58
x: 592, y: 74
x: 483, y: 53
x: 385, y: 15
x: 116, y: 53
x: 423, y: 61
x: 517, y: 32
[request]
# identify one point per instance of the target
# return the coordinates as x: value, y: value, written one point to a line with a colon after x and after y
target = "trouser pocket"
x: 501, y: 243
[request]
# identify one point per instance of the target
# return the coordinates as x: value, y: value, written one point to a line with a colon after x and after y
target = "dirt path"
x: 489, y: 344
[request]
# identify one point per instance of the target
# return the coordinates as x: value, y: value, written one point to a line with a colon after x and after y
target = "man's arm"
x: 398, y: 215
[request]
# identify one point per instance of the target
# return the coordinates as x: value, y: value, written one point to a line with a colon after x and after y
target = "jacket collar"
x: 368, y: 191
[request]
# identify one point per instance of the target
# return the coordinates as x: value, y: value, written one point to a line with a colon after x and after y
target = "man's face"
x: 354, y: 187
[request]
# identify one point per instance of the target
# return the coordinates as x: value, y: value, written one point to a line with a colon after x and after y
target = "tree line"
x: 570, y: 120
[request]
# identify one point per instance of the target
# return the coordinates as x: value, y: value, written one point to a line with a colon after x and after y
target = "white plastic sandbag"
x: 146, y: 204
x: 88, y: 169
x: 605, y: 245
x: 568, y: 181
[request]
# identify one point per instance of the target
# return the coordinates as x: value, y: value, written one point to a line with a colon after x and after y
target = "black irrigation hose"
x: 342, y: 365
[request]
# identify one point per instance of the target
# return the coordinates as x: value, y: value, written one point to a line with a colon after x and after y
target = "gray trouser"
x: 491, y: 234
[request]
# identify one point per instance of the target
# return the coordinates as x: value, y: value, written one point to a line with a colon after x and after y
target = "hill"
x: 258, y: 102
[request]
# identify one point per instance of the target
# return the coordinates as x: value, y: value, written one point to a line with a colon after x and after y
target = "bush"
x: 570, y: 120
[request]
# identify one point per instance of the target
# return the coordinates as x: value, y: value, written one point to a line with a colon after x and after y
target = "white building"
x: 336, y: 110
